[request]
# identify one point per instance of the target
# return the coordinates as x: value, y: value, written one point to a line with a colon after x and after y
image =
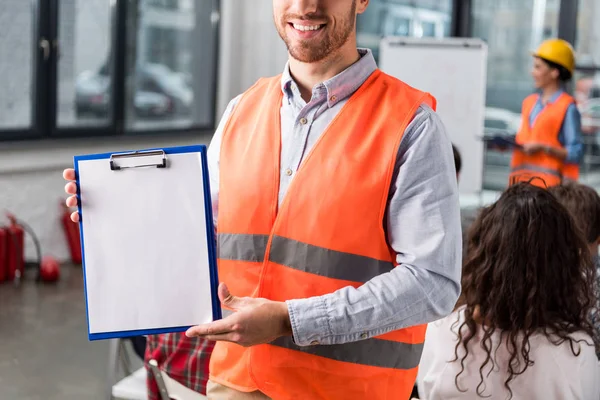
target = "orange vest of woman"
x: 328, y: 233
x: 541, y: 169
x: 571, y: 171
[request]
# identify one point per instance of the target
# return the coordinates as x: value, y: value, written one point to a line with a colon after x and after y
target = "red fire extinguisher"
x: 71, y: 231
x: 3, y: 253
x: 48, y: 268
x: 16, y: 249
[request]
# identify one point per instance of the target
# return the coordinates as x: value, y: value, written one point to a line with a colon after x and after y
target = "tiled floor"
x: 44, y: 350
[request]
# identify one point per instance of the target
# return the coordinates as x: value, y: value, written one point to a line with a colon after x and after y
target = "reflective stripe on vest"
x: 536, y: 168
x: 242, y: 247
x: 302, y: 257
x: 332, y: 264
x: 373, y: 352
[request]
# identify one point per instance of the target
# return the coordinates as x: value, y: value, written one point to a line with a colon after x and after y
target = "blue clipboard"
x: 143, y: 160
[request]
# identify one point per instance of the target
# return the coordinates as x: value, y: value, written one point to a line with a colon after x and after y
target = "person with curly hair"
x: 521, y: 328
x: 583, y: 202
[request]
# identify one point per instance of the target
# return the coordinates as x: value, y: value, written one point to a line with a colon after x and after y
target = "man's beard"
x: 311, y: 51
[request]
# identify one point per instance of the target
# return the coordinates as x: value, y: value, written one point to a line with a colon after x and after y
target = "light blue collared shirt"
x: 570, y: 135
x: 423, y: 218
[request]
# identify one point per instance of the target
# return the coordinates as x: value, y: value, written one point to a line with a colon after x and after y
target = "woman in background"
x: 521, y: 328
x: 550, y: 133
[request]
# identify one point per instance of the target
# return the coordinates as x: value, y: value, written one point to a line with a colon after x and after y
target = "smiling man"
x: 337, y: 213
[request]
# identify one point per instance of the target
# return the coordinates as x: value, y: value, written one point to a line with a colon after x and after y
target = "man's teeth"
x: 306, y: 28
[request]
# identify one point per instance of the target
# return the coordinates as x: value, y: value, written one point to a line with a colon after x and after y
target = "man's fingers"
x: 226, y: 298
x: 69, y: 174
x: 219, y: 327
x: 225, y: 337
x: 71, y: 188
x: 71, y: 201
x: 218, y: 331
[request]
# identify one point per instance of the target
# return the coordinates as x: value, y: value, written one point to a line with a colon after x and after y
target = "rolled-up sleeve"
x: 423, y: 225
x: 571, y: 136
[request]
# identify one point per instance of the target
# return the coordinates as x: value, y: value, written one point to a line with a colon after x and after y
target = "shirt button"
x: 303, y: 121
x: 333, y: 98
x: 314, y: 342
x: 288, y: 172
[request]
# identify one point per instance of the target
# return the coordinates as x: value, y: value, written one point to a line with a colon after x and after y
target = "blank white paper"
x: 145, y: 245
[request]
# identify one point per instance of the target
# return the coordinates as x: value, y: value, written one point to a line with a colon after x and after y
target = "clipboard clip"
x: 137, y: 154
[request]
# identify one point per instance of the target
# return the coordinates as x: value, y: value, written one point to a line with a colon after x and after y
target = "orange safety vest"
x: 327, y: 234
x: 571, y: 171
x: 546, y: 130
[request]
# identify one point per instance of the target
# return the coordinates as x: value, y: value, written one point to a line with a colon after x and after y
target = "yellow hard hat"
x: 558, y: 51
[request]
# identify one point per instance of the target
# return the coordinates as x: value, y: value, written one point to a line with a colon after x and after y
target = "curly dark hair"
x: 583, y: 202
x: 528, y: 270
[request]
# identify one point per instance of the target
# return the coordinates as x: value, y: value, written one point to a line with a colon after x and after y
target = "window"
x: 84, y: 70
x: 586, y: 88
x: 511, y: 29
x: 588, y: 34
x: 74, y: 68
x: 174, y: 67
x: 587, y: 47
x: 428, y: 29
x: 16, y: 62
x: 425, y: 18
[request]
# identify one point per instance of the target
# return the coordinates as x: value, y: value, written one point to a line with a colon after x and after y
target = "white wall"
x: 31, y: 184
x: 250, y: 47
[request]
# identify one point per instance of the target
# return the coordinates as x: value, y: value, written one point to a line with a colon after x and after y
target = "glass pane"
x: 397, y: 26
x: 174, y: 73
x: 403, y: 18
x: 84, y: 79
x: 587, y: 95
x: 512, y: 29
x: 588, y: 33
x: 587, y: 85
x: 16, y: 64
x: 427, y: 29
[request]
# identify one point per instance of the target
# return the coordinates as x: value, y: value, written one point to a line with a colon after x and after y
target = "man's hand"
x: 254, y: 321
x: 71, y: 188
x: 532, y: 148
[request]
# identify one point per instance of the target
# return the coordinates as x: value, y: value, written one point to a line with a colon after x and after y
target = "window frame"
x: 44, y: 96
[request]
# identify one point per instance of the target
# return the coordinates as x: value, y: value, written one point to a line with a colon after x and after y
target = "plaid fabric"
x: 183, y: 359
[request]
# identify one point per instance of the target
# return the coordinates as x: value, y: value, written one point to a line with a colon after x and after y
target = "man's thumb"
x: 226, y: 298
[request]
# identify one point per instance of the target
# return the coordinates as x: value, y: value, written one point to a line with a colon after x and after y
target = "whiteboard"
x: 454, y: 71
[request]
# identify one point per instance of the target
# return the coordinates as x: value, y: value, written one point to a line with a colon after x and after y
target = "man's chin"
x: 307, y: 55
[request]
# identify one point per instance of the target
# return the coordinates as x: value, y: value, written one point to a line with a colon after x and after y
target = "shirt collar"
x: 552, y: 98
x: 341, y: 86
